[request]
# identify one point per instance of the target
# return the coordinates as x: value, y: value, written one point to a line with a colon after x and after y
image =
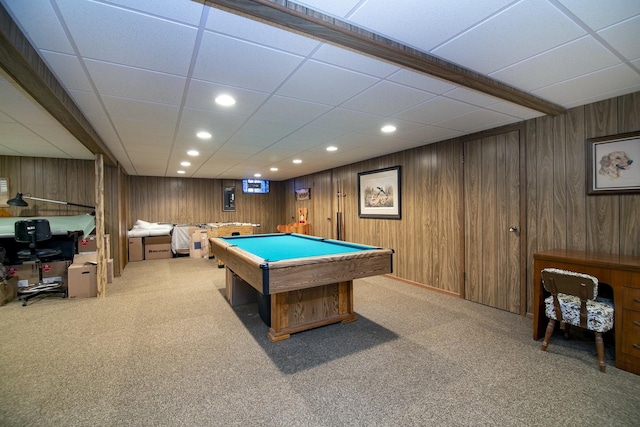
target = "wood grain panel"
x: 198, y: 201
x: 603, y: 227
x: 575, y: 179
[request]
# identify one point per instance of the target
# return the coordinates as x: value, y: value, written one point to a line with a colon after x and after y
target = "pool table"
x: 307, y: 281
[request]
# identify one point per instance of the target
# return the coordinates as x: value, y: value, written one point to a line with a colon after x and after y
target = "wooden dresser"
x: 622, y: 273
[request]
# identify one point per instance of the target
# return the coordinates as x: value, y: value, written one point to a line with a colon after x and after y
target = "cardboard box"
x: 157, y: 240
x: 82, y: 280
x: 88, y: 244
x: 27, y: 273
x: 136, y: 249
x: 91, y: 258
x: 157, y: 251
x: 199, y: 242
x: 8, y: 290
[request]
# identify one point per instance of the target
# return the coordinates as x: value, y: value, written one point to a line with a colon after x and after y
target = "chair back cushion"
x: 569, y: 282
x: 32, y: 230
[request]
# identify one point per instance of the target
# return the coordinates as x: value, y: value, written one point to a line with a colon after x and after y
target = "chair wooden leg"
x: 600, y: 350
x: 547, y: 335
x: 567, y: 330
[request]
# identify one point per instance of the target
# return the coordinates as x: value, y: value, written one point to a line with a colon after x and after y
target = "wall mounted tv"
x: 255, y: 186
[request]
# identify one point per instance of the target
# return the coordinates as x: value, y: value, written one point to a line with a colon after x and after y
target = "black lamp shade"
x: 17, y: 201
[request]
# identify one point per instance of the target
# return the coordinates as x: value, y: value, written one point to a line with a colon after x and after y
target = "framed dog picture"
x: 613, y: 164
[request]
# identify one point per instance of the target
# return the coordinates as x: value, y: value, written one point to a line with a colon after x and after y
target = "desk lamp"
x: 18, y: 201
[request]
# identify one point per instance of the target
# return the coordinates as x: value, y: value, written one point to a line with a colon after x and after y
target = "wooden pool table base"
x: 305, y: 309
x: 298, y: 310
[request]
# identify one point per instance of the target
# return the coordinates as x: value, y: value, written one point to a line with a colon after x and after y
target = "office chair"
x: 574, y: 301
x: 32, y: 231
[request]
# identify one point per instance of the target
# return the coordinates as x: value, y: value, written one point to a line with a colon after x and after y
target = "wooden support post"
x: 100, y: 247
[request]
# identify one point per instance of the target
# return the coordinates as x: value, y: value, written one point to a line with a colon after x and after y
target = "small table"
x: 308, y: 280
x: 622, y: 273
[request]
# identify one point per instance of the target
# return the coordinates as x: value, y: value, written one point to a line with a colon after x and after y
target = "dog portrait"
x: 614, y: 163
x: 612, y: 166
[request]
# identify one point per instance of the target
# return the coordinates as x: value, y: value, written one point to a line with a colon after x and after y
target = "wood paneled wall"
x: 198, y: 201
x: 429, y: 239
x: 64, y: 180
x: 560, y: 214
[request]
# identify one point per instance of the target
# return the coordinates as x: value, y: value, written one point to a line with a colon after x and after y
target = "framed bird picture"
x: 379, y: 193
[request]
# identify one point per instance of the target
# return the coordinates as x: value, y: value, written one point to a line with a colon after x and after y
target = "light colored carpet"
x: 164, y: 348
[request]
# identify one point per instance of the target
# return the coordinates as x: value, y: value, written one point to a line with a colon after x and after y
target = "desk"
x: 308, y: 280
x: 622, y: 273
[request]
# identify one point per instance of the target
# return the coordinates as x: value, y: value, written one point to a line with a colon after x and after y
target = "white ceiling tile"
x: 316, y: 134
x: 435, y: 110
x: 514, y: 110
x: 624, y: 37
x: 472, y: 97
x: 295, y: 143
x: 438, y: 21
x: 88, y: 102
x: 353, y: 61
x: 140, y: 110
x: 593, y: 87
x: 599, y: 14
x: 68, y: 70
x: 422, y: 82
x: 585, y: 56
x: 186, y: 12
x: 532, y: 26
x: 261, y: 128
x: 143, y: 128
x: 236, y: 26
x: 135, y: 39
x: 229, y: 61
x: 193, y: 121
x: 135, y: 83
x: 141, y: 142
x: 477, y: 120
x: 279, y: 108
x: 331, y: 85
x: 345, y: 120
x: 387, y: 98
x: 39, y: 22
x: 202, y: 96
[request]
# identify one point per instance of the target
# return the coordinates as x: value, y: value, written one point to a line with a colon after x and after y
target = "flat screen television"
x: 255, y: 186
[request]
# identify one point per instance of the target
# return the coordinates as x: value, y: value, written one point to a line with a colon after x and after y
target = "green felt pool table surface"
x: 278, y: 247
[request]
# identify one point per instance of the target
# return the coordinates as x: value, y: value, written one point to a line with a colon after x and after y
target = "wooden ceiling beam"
x: 22, y: 62
x: 300, y: 19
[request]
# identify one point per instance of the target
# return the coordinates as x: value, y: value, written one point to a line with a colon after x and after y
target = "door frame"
x: 520, y: 128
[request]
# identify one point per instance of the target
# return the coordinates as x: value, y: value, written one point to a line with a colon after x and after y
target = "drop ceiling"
x: 145, y: 74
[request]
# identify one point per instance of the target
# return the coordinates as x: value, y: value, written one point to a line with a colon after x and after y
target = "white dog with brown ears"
x: 612, y: 164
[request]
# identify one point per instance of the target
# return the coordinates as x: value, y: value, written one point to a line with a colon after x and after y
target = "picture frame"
x: 379, y: 193
x: 229, y: 199
x: 303, y: 194
x: 613, y: 164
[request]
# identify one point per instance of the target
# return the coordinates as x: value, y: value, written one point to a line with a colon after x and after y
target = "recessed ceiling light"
x: 388, y: 129
x: 257, y: 175
x: 297, y: 161
x: 274, y: 169
x: 203, y: 135
x: 225, y: 100
x: 193, y: 153
x: 185, y: 164
x: 332, y: 148
x: 181, y: 172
